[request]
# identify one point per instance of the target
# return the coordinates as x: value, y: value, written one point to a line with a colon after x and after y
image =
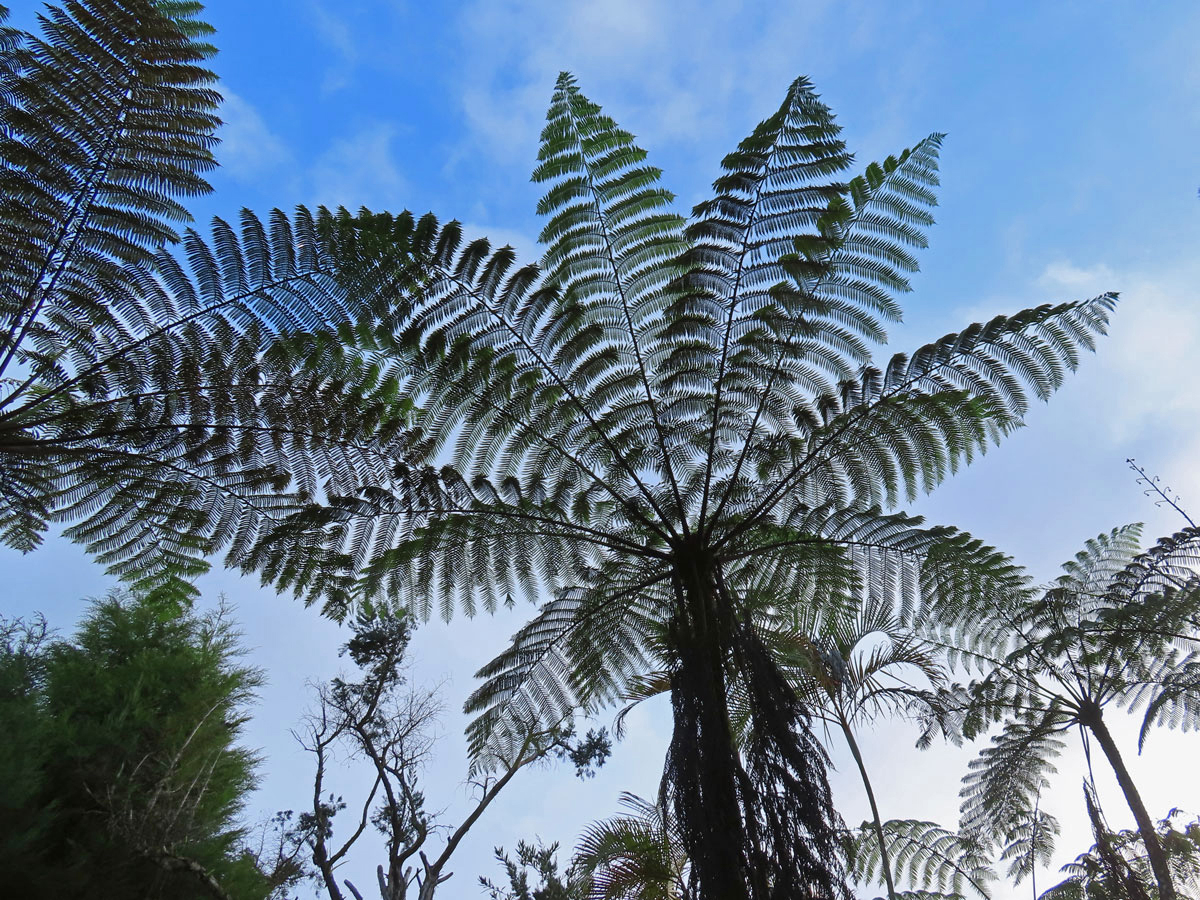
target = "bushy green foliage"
x: 122, y: 776
x: 548, y: 883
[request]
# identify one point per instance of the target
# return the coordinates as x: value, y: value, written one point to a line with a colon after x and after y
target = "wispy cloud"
x: 1146, y: 400
x: 249, y: 148
x: 337, y: 34
x: 674, y: 71
x: 359, y: 170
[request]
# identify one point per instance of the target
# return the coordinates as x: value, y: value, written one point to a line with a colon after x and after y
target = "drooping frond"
x: 163, y: 406
x: 1117, y: 868
x: 1029, y: 843
x: 930, y: 859
x: 1173, y: 697
x: 1000, y: 794
x: 930, y: 574
x: 1171, y: 564
x: 580, y: 652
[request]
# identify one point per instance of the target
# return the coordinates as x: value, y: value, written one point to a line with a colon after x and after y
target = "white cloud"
x: 359, y: 170
x: 1156, y: 337
x: 1143, y: 395
x: 337, y: 34
x: 248, y: 148
x: 677, y: 73
x: 1066, y: 275
x: 526, y: 245
x: 1151, y: 349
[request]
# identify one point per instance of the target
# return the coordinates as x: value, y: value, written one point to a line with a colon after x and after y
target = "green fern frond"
x: 190, y: 417
x: 1001, y: 790
x: 88, y: 189
x: 162, y: 405
x: 929, y: 858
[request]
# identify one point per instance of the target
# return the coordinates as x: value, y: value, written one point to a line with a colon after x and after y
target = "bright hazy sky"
x: 1071, y: 168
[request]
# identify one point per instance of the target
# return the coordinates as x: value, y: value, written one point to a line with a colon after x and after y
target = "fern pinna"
x: 164, y: 408
x: 675, y: 431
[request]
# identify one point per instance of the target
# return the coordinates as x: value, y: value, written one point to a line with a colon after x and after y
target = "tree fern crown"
x: 677, y: 435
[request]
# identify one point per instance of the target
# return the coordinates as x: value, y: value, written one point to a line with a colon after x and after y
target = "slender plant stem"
x: 885, y: 862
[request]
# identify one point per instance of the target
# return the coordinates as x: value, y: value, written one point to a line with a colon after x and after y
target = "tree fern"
x: 1118, y: 628
x: 672, y: 434
x: 163, y: 407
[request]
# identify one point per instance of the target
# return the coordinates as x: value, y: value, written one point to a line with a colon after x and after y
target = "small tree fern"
x: 672, y: 430
x: 1118, y: 628
x: 937, y: 863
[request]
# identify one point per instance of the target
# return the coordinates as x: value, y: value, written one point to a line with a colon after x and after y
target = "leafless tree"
x: 383, y: 721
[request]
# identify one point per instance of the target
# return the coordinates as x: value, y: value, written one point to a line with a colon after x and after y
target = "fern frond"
x: 89, y: 187
x: 581, y: 651
x: 1174, y: 697
x: 1001, y: 790
x: 931, y: 859
x: 208, y: 402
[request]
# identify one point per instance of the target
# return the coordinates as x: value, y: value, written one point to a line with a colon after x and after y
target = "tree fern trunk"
x: 1154, y: 850
x: 702, y: 762
x: 757, y: 821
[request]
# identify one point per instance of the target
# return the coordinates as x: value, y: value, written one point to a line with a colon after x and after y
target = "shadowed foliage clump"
x: 677, y: 431
x: 1117, y: 866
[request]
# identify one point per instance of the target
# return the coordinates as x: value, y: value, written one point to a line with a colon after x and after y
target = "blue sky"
x: 1071, y: 167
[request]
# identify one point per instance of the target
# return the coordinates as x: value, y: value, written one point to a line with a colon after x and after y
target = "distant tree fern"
x: 162, y: 408
x: 676, y: 432
x: 1118, y: 628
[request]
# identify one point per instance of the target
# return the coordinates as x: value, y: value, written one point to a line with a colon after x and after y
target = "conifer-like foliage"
x: 151, y: 401
x: 1118, y: 628
x: 675, y: 432
x: 125, y: 778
